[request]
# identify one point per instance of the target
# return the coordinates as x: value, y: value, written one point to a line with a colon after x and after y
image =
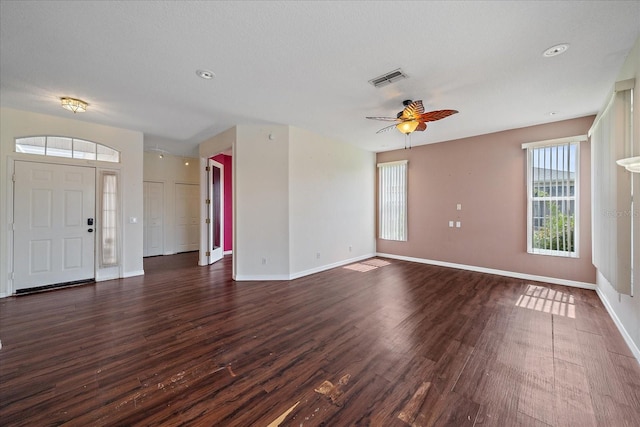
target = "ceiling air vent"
x: 388, y: 78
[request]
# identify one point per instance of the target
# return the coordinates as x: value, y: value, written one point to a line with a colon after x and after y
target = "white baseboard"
x: 4, y: 295
x: 299, y: 274
x: 260, y: 277
x: 102, y: 278
x: 329, y: 266
x: 545, y: 279
x: 627, y: 338
x: 133, y: 273
x: 227, y: 253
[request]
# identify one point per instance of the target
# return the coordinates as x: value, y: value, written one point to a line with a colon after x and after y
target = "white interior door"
x: 53, y: 241
x: 216, y: 211
x: 153, y: 218
x: 187, y: 217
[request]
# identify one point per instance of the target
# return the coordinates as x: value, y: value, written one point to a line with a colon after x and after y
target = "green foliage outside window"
x: 557, y: 233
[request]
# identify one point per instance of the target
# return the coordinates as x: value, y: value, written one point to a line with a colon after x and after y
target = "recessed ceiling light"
x: 558, y: 49
x: 552, y: 113
x: 205, y: 74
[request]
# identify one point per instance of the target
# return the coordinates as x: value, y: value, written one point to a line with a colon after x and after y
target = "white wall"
x: 261, y: 202
x: 170, y: 170
x: 296, y: 194
x: 624, y: 309
x: 218, y: 143
x: 14, y: 123
x: 331, y: 202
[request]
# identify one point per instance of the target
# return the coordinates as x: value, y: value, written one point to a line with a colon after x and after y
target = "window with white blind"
x: 392, y: 200
x: 553, y: 183
x: 615, y: 221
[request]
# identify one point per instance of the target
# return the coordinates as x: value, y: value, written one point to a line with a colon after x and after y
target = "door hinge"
x: 208, y: 201
x: 208, y: 221
x: 13, y: 177
x: 207, y: 253
x: 207, y: 168
x: 12, y: 275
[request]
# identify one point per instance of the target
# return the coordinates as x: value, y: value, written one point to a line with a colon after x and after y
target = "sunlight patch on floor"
x: 547, y: 300
x: 368, y: 265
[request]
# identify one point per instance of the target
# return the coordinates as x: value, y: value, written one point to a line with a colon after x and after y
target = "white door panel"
x: 187, y: 217
x: 153, y: 218
x: 216, y: 209
x: 52, y: 242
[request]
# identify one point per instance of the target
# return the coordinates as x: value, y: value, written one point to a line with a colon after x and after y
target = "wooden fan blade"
x: 386, y: 119
x: 413, y: 110
x: 432, y: 116
x: 422, y: 126
x: 386, y: 129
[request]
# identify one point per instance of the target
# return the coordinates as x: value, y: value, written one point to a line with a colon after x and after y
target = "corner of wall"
x: 621, y: 312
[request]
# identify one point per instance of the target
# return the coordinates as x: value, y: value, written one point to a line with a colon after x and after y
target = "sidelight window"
x: 109, y: 219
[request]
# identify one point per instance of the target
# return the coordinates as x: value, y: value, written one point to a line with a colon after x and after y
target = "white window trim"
x: 576, y: 198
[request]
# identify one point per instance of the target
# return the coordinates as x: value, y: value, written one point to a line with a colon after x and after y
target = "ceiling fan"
x: 413, y: 118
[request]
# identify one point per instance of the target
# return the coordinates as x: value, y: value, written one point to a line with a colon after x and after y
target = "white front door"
x: 54, y: 224
x: 187, y: 217
x: 153, y: 218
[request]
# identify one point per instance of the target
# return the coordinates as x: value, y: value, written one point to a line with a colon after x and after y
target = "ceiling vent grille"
x: 388, y: 78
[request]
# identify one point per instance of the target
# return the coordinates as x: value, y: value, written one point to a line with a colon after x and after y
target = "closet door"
x: 187, y: 230
x: 153, y: 218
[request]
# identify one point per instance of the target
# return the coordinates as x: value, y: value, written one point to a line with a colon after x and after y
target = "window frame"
x: 64, y: 153
x: 393, y: 222
x: 568, y: 198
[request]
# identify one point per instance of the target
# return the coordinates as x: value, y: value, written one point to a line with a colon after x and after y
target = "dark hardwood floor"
x: 382, y: 342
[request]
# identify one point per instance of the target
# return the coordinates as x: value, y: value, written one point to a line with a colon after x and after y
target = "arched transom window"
x: 71, y: 148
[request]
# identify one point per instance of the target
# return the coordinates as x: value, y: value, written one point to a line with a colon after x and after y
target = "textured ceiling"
x: 308, y: 64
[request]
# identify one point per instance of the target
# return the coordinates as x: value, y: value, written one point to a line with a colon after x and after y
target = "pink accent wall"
x: 228, y: 201
x: 487, y: 175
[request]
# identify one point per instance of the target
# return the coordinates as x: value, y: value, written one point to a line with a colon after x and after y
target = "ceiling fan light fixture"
x: 74, y: 105
x: 413, y: 118
x: 408, y: 126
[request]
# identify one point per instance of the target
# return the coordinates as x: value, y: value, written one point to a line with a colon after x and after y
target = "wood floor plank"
x: 573, y: 398
x: 186, y: 345
x: 566, y: 346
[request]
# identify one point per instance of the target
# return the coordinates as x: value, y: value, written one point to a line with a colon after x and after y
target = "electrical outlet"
x: 350, y: 248
x: 318, y: 255
x: 264, y: 261
x: 451, y: 224
x: 459, y: 206
x: 458, y: 224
